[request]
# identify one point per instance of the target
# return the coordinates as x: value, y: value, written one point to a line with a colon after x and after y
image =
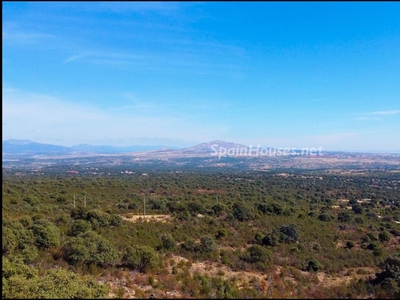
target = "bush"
x: 189, y: 245
x: 345, y: 217
x: 140, y: 258
x: 270, y: 240
x: 324, y: 217
x: 207, y: 244
x: 313, y: 265
x: 390, y: 268
x: 243, y: 212
x: 9, y: 242
x: 350, y: 244
x: 221, y: 233
x: 384, y: 236
x: 46, y: 233
x: 167, y: 242
x: 257, y: 254
x: 357, y: 209
x: 21, y: 281
x: 80, y: 226
x: 90, y: 248
x: 289, y: 233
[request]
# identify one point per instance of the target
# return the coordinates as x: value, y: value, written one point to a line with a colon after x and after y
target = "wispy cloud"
x: 18, y: 37
x: 376, y: 115
x: 42, y: 117
x: 141, y: 7
x: 385, y: 112
x: 186, y: 60
x: 75, y: 57
x: 366, y: 118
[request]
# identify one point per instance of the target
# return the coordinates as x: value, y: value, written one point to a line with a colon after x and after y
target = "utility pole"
x: 144, y: 207
x: 84, y: 200
x: 74, y: 200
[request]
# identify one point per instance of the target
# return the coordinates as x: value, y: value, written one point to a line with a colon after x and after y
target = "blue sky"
x: 278, y: 74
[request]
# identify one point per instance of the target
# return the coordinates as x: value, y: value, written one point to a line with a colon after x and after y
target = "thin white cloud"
x: 75, y: 57
x: 122, y: 7
x: 386, y: 112
x: 366, y: 118
x: 188, y: 60
x: 376, y: 115
x: 43, y: 118
x: 17, y: 37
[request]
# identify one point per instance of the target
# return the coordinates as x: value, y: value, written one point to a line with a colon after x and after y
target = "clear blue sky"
x: 284, y: 74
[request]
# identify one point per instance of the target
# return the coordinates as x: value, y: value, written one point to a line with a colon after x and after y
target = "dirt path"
x: 136, y: 218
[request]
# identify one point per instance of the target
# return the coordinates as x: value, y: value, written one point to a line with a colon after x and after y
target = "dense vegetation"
x: 69, y: 235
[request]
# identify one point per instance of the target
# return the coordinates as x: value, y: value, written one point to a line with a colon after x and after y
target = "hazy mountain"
x: 113, y: 149
x: 28, y: 147
x: 211, y: 146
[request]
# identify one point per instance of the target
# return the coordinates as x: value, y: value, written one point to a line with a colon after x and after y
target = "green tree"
x: 26, y: 282
x: 46, y: 233
x: 221, y: 233
x: 189, y: 244
x: 80, y: 226
x: 390, y: 268
x: 357, y: 208
x: 140, y: 258
x: 289, y: 233
x: 384, y: 236
x: 270, y: 240
x: 345, y: 217
x: 350, y: 244
x: 325, y: 217
x: 90, y: 248
x: 9, y: 241
x: 259, y: 255
x: 314, y: 265
x: 167, y: 241
x: 207, y: 244
x: 243, y: 212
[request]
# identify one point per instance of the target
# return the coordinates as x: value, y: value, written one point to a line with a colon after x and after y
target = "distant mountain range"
x: 28, y: 147
x: 211, y: 147
x: 14, y: 146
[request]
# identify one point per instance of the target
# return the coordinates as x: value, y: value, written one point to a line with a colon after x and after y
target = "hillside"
x: 127, y: 232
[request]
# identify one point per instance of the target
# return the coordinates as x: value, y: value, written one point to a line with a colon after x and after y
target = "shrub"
x: 325, y: 217
x: 221, y: 233
x: 189, y: 245
x: 350, y: 244
x: 313, y: 265
x: 207, y: 244
x: 90, y: 248
x: 256, y: 253
x: 167, y: 241
x: 80, y: 226
x: 345, y: 216
x: 46, y: 233
x: 289, y: 233
x: 384, y: 236
x: 141, y: 258
x: 270, y: 240
x: 243, y: 212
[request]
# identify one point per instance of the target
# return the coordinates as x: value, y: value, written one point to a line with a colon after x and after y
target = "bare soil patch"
x: 146, y: 218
